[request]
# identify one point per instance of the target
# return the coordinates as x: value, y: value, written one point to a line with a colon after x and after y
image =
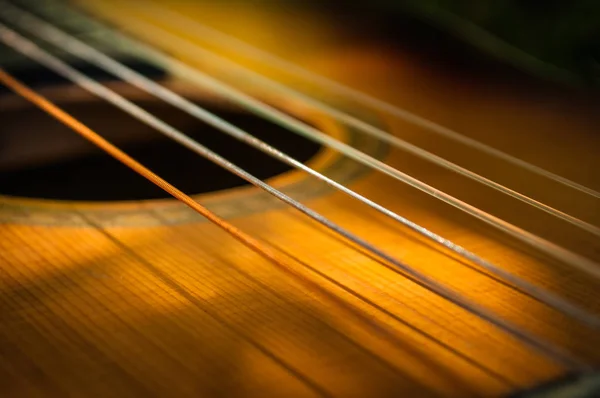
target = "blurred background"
x: 552, y: 39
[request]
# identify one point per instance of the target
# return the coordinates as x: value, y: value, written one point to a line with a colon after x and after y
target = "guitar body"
x: 105, y: 295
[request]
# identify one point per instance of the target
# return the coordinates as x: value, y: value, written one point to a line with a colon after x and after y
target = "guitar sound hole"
x: 41, y: 158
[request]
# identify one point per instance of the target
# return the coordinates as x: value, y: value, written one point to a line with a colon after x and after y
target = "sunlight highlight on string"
x: 28, y: 48
x: 80, y: 49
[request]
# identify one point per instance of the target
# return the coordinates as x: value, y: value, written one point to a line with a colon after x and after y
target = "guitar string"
x: 97, y: 140
x: 428, y: 336
x: 31, y: 50
x: 80, y: 49
x: 257, y: 245
x: 205, y: 32
x: 573, y: 259
x: 200, y: 53
x: 315, y: 135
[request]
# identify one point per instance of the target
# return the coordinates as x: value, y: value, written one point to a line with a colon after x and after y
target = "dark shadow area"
x: 554, y: 42
x: 56, y: 163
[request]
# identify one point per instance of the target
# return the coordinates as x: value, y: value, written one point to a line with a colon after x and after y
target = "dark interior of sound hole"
x: 92, y: 175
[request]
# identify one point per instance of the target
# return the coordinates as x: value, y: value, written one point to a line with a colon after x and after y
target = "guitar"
x: 321, y: 214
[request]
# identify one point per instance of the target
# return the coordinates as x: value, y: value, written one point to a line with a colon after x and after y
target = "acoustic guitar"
x: 250, y: 199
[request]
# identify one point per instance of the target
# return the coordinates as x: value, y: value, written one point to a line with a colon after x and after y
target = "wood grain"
x: 185, y: 310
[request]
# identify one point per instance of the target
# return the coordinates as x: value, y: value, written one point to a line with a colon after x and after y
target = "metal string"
x: 80, y: 49
x: 262, y: 81
x: 31, y: 50
x: 586, y: 265
x: 249, y: 241
x: 267, y: 250
x: 385, y: 331
x: 206, y: 33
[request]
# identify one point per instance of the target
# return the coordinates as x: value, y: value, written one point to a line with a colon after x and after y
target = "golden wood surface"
x: 185, y: 310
